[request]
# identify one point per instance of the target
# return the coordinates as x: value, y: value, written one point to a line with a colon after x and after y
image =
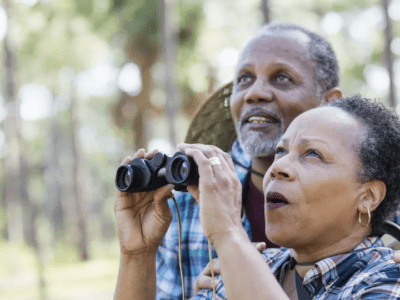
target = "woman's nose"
x: 282, y: 169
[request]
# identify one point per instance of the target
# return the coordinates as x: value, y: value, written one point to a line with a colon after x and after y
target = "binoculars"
x: 142, y: 175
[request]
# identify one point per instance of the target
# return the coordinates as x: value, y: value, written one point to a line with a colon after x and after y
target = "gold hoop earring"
x: 369, y: 218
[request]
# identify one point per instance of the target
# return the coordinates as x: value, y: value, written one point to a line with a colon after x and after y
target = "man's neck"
x: 260, y: 165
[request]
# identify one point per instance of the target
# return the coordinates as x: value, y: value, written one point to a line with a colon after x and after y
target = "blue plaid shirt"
x: 368, y: 273
x: 194, y: 244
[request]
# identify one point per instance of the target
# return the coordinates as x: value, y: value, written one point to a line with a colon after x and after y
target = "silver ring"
x: 214, y: 161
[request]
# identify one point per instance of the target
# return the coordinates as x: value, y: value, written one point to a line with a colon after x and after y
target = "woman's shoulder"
x: 376, y: 275
x: 379, y: 261
x: 276, y: 256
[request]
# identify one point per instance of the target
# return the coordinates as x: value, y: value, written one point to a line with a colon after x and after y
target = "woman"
x: 334, y: 180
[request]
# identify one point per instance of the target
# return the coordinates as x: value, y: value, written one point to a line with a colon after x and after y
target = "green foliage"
x: 78, y: 35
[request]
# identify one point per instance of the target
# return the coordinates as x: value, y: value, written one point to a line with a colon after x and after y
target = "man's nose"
x: 260, y: 91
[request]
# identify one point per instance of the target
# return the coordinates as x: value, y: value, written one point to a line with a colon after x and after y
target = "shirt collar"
x: 238, y: 154
x: 341, y: 266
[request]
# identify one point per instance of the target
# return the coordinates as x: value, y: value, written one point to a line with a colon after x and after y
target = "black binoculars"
x: 142, y: 175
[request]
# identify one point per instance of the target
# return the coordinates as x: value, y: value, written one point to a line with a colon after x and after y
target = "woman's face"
x: 312, y: 188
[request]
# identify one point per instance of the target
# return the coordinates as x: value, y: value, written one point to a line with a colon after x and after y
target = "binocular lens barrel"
x: 124, y: 177
x: 150, y: 174
x: 180, y: 170
x: 127, y: 178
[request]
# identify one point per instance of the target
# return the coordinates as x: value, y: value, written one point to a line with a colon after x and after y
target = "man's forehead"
x: 291, y: 34
x: 293, y: 41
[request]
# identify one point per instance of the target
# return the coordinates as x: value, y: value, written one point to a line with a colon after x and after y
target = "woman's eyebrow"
x: 306, y: 141
x: 285, y: 141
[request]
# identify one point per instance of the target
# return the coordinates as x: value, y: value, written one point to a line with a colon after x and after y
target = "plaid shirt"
x: 368, y: 273
x: 195, y: 255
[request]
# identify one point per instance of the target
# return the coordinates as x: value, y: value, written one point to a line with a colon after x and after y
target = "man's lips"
x: 275, y: 200
x: 258, y: 117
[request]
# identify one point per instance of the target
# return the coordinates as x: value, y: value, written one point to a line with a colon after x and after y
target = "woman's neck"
x: 313, y: 253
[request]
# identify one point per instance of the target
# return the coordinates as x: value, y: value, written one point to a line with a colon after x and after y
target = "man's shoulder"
x: 241, y: 162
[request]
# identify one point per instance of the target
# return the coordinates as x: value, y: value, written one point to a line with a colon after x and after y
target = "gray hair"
x: 326, y: 68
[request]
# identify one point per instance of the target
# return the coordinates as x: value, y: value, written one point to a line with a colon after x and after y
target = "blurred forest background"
x: 87, y: 82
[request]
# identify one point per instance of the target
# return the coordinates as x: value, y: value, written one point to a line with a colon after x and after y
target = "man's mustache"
x: 258, y: 111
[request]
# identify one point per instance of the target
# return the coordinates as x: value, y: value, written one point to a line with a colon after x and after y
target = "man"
x: 284, y: 71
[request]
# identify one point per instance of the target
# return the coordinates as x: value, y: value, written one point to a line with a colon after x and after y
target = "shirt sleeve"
x: 169, y: 284
x: 383, y: 291
x: 204, y: 294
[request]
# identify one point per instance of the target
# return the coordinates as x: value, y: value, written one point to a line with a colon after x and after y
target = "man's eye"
x: 283, y: 78
x: 244, y: 78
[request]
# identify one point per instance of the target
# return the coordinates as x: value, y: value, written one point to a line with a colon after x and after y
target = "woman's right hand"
x: 142, y: 218
x: 204, y: 280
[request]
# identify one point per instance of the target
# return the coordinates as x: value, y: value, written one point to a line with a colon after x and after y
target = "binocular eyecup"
x: 142, y: 175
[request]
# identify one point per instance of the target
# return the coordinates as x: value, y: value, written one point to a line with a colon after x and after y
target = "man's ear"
x: 373, y: 194
x: 331, y: 95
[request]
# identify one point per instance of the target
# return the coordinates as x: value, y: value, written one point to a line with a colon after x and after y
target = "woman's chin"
x: 279, y: 237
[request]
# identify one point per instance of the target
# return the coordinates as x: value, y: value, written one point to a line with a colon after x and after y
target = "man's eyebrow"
x: 245, y: 66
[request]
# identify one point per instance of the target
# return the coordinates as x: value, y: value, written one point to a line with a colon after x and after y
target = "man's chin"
x: 257, y: 150
x: 256, y: 145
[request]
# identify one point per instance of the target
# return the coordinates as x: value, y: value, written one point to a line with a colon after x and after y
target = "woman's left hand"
x: 219, y: 192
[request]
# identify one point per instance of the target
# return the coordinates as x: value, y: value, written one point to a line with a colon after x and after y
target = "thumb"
x: 260, y: 246
x: 396, y: 256
x: 160, y: 200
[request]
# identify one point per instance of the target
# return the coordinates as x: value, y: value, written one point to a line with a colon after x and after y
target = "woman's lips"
x: 275, y: 200
x: 271, y: 205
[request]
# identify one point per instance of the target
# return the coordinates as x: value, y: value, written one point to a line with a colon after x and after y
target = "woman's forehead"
x: 330, y: 123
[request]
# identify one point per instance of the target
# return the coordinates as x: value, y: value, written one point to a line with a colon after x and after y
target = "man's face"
x: 274, y: 82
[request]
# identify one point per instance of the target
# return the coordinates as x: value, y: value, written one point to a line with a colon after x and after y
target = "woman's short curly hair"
x: 379, y: 151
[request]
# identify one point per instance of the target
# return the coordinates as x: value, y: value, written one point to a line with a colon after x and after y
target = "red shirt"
x: 254, y: 207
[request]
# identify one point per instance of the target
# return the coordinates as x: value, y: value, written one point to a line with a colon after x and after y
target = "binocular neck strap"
x: 236, y: 162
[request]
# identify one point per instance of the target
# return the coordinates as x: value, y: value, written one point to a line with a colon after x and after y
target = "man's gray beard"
x: 253, y: 144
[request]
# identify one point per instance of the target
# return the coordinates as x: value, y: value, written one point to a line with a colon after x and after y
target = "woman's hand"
x: 204, y: 280
x: 143, y: 218
x: 219, y: 192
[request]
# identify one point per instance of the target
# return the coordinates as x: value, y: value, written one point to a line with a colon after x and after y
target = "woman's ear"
x: 374, y: 193
x: 331, y: 95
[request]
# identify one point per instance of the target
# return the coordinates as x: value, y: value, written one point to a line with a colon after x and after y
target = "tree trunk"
x: 54, y: 206
x: 266, y: 11
x: 80, y: 181
x: 21, y: 213
x: 169, y: 28
x: 388, y: 53
x: 11, y: 160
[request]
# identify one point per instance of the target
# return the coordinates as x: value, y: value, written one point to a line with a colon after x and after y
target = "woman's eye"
x: 280, y: 151
x: 313, y: 153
